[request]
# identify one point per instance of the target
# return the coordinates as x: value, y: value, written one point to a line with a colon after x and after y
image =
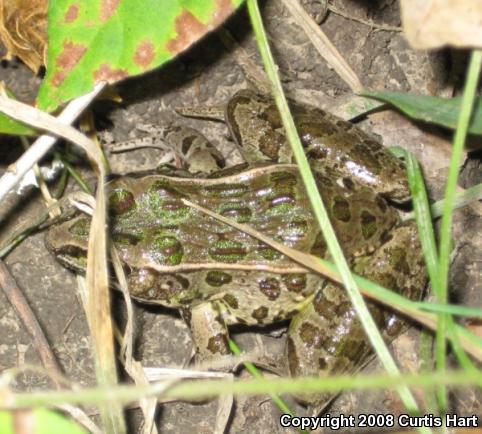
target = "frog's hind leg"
x: 208, y: 323
x: 327, y: 338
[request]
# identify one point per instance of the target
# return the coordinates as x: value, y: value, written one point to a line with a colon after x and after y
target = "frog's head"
x: 68, y: 242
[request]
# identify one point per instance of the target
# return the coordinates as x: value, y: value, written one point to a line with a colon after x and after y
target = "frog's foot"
x: 326, y: 338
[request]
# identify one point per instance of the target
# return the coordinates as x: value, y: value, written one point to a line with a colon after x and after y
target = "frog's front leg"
x: 327, y: 338
x: 194, y: 149
x: 208, y: 323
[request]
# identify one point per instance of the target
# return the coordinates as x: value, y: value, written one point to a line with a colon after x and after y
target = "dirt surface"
x: 208, y: 74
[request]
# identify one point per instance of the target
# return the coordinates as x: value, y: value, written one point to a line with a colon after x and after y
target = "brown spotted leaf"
x: 94, y: 40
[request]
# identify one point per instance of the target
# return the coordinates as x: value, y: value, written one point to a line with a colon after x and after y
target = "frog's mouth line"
x: 73, y: 258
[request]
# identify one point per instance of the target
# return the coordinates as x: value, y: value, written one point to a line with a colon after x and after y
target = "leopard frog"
x: 218, y: 276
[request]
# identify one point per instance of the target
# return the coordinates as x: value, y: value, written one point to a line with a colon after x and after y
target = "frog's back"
x: 153, y: 228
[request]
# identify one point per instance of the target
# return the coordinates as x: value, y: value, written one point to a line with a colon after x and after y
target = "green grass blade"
x: 462, y: 199
x: 432, y: 109
x: 423, y: 216
x: 320, y: 212
x: 468, y: 99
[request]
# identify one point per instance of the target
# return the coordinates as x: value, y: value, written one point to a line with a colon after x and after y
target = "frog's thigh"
x: 327, y: 337
x: 209, y: 330
x: 397, y: 265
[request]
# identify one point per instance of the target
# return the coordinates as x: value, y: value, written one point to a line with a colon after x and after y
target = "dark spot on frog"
x: 282, y: 199
x: 187, y: 142
x: 323, y: 181
x: 260, y: 314
x: 319, y: 247
x: 240, y: 320
x: 372, y: 145
x: 270, y: 287
x: 165, y: 287
x: 324, y: 307
x: 186, y: 315
x: 343, y: 308
x: 291, y: 313
x: 386, y: 236
x: 341, y: 209
x: 368, y: 224
x: 387, y: 280
x: 183, y: 281
x: 231, y: 301
x: 283, y: 179
x: 218, y: 278
x: 126, y: 239
x: 398, y: 260
x: 295, y: 282
x: 297, y: 228
x: 270, y: 144
x: 316, y: 152
x: 121, y: 201
x: 348, y: 183
x: 241, y: 214
x: 394, y: 326
x: 360, y: 153
x: 218, y: 344
x: 173, y: 205
x: 168, y: 249
x: 382, y: 205
x: 311, y: 335
x: 227, y: 251
x: 271, y: 115
x: 293, y: 360
x: 322, y: 363
x: 315, y: 131
x: 353, y: 349
x: 268, y: 252
x: 340, y: 123
x: 163, y: 189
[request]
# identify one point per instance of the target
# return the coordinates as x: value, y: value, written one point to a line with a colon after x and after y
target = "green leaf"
x: 39, y: 421
x: 11, y: 126
x: 94, y: 40
x: 433, y: 109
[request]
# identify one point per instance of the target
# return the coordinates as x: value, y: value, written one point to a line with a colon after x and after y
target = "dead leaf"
x: 23, y: 30
x: 435, y: 23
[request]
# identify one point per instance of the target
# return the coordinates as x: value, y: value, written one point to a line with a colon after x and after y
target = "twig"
x: 323, y: 45
x: 43, y: 144
x: 369, y: 23
x: 22, y: 308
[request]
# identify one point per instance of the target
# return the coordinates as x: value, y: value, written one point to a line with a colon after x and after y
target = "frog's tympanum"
x: 219, y: 276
